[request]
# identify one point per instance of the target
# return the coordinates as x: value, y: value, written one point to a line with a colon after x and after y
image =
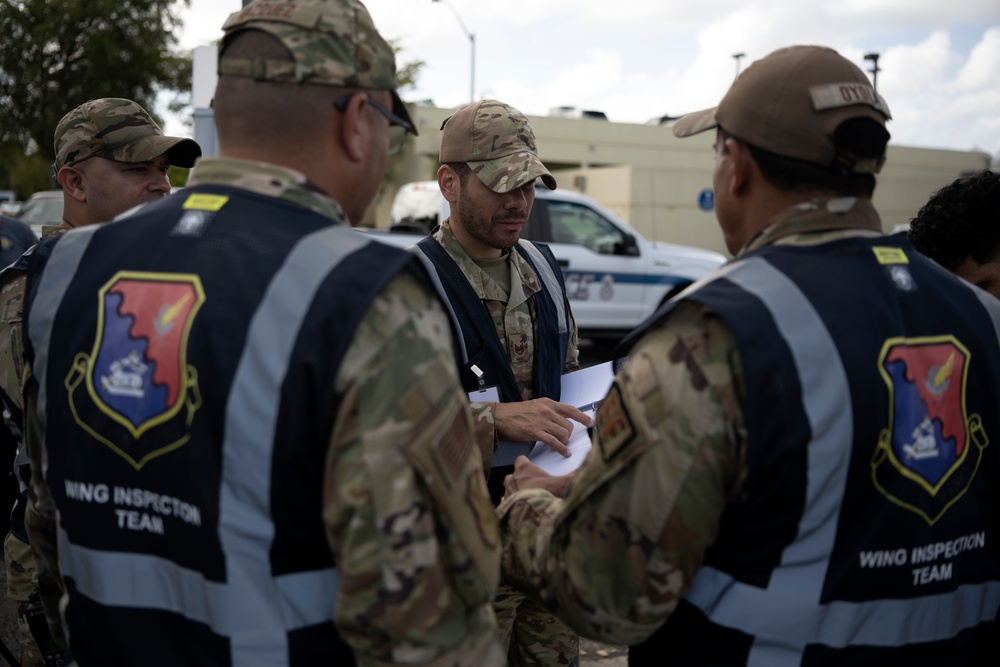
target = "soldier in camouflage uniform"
x: 110, y: 156
x: 503, y: 290
x: 753, y: 496
x: 281, y: 453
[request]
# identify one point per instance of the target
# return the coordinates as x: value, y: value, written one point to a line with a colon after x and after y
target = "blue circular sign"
x: 706, y: 199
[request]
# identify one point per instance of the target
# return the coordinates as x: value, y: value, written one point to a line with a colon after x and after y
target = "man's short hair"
x: 857, y: 136
x: 960, y: 221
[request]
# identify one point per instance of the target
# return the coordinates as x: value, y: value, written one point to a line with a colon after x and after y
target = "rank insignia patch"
x: 927, y: 457
x: 137, y: 375
x: 614, y: 425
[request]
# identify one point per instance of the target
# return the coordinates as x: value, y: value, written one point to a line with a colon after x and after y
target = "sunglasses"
x: 398, y: 127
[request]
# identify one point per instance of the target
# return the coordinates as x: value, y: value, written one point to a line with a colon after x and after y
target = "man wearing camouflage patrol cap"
x: 110, y: 156
x: 287, y: 454
x: 792, y: 466
x: 519, y: 332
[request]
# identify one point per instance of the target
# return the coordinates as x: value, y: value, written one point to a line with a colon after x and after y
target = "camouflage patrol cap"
x: 497, y: 143
x: 790, y: 103
x: 332, y: 42
x: 119, y: 130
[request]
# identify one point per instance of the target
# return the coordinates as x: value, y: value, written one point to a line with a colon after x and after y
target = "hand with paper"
x: 527, y: 475
x: 542, y: 420
x: 586, y: 389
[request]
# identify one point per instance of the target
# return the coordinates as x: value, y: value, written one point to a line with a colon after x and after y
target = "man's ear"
x: 353, y: 128
x: 449, y: 183
x: 742, y: 165
x: 73, y: 183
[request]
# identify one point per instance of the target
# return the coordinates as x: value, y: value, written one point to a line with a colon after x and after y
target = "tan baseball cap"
x: 119, y: 130
x: 497, y: 143
x: 790, y: 103
x: 333, y: 43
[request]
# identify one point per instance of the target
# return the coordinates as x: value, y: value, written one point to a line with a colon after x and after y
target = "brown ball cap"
x: 790, y: 103
x: 497, y: 143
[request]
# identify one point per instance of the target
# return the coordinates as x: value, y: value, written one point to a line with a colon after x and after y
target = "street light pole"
x: 874, y: 70
x: 472, y: 44
x: 736, y: 57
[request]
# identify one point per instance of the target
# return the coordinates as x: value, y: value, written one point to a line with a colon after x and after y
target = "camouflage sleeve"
x: 40, y: 515
x: 405, y: 503
x: 11, y: 338
x: 485, y: 431
x: 573, y: 349
x: 614, y: 557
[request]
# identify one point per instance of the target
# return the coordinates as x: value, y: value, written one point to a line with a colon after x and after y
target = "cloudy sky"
x: 640, y: 59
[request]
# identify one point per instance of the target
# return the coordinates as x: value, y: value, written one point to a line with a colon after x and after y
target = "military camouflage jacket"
x: 614, y: 557
x: 418, y: 559
x: 12, y: 286
x: 514, y: 318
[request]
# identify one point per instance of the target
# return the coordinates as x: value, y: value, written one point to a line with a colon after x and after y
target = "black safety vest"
x: 869, y: 531
x: 186, y: 358
x: 482, y: 344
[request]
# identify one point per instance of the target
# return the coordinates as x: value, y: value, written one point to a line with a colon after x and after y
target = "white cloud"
x: 638, y: 59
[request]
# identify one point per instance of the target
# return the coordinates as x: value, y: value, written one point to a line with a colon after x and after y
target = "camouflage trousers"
x: 20, y: 566
x: 532, y: 635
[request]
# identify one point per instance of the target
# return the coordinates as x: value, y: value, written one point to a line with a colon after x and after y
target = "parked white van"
x: 614, y: 277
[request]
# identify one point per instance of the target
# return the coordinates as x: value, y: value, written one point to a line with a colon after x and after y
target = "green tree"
x: 58, y: 54
x: 406, y: 79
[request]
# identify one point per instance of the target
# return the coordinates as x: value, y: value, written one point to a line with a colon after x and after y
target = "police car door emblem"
x: 927, y: 457
x: 137, y: 373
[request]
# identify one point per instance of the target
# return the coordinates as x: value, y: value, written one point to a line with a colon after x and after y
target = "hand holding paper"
x: 585, y: 388
x: 527, y: 475
x: 540, y: 419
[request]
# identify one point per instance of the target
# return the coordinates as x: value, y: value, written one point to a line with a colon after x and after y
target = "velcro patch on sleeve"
x: 454, y: 448
x: 614, y: 425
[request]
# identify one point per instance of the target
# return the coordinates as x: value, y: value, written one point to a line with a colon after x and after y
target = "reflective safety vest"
x: 482, y: 344
x: 869, y: 533
x: 185, y: 359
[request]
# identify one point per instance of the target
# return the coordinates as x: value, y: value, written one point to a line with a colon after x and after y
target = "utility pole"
x: 736, y: 57
x: 472, y: 44
x: 874, y: 70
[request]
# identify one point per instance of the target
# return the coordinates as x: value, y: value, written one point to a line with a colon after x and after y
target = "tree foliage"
x: 58, y: 54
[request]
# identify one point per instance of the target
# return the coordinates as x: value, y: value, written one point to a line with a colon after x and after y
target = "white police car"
x: 614, y: 277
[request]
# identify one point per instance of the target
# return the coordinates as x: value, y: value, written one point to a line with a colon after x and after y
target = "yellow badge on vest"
x: 205, y: 202
x: 888, y: 255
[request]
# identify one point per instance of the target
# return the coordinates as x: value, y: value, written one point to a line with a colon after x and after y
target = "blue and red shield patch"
x: 137, y: 374
x: 930, y: 439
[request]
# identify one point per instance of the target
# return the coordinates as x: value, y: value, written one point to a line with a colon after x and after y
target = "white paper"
x: 555, y: 463
x: 587, y: 385
x: 584, y: 389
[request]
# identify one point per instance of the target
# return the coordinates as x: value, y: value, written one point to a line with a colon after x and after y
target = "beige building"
x: 655, y: 181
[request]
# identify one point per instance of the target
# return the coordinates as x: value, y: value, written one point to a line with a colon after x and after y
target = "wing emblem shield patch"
x: 137, y: 375
x: 927, y: 457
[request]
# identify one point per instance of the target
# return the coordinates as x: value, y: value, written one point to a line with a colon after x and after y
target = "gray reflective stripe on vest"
x: 550, y: 281
x: 796, y: 584
x: 58, y: 273
x: 419, y: 253
x: 992, y: 306
x: 252, y: 608
x: 149, y: 582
